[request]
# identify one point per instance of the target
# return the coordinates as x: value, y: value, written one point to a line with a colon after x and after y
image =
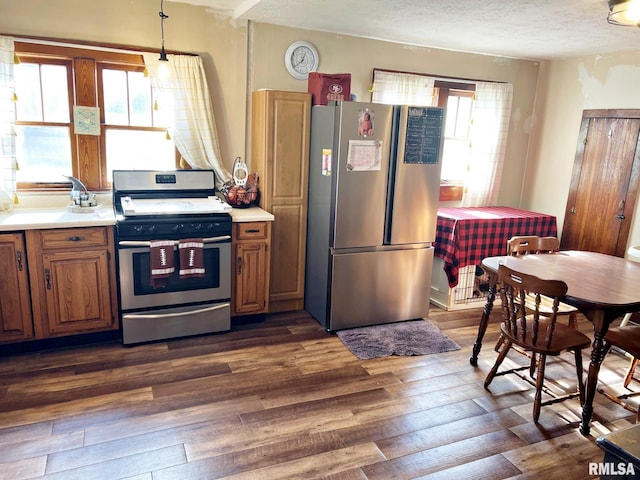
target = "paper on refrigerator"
x: 364, y: 155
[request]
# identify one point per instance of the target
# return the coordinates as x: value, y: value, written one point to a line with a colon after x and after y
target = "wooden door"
x: 604, y: 182
x: 250, y: 291
x: 15, y: 301
x: 280, y: 155
x: 77, y: 291
x: 250, y: 269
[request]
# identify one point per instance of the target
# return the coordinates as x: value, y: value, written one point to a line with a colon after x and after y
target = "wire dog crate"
x: 470, y: 292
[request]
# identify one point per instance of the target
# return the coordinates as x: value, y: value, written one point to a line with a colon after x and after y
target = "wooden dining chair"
x: 626, y: 338
x: 536, y: 332
x: 523, y: 245
x: 532, y: 244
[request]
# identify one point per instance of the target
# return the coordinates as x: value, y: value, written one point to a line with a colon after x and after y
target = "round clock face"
x: 300, y: 59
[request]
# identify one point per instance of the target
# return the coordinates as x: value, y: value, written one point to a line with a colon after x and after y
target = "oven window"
x: 142, y: 274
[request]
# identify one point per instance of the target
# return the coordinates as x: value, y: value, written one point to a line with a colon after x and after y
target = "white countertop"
x: 46, y: 218
x: 251, y: 214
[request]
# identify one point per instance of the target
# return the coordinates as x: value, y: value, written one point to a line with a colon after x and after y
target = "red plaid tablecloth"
x: 466, y: 235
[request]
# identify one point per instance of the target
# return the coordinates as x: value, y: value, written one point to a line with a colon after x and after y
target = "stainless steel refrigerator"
x: 374, y: 182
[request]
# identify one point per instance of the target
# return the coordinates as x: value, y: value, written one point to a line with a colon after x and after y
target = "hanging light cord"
x: 163, y: 17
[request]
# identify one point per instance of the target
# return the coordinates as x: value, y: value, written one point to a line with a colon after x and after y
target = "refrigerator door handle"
x: 391, y: 174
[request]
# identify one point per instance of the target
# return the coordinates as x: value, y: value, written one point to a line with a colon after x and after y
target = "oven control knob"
x: 139, y: 228
x: 178, y: 227
x: 197, y: 227
x: 152, y: 228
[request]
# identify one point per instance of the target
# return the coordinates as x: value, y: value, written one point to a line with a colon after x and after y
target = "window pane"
x: 115, y: 97
x: 452, y: 109
x: 28, y: 106
x: 455, y: 159
x: 43, y: 153
x: 456, y: 151
x: 139, y: 150
x: 55, y: 93
x: 140, y: 99
x: 464, y: 117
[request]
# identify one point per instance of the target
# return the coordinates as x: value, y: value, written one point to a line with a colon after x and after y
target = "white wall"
x: 566, y: 88
x: 359, y: 56
x: 240, y: 58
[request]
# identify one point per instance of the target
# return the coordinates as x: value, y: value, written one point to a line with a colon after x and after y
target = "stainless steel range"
x: 166, y: 291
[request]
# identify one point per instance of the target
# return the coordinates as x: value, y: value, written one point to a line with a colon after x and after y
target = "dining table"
x: 602, y: 287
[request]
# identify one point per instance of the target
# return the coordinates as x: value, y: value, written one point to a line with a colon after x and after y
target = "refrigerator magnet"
x: 365, y: 123
x: 326, y: 162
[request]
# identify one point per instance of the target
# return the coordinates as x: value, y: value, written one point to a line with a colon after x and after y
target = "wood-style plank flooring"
x: 284, y: 399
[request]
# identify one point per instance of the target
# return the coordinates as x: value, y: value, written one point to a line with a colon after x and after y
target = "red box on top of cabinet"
x: 329, y: 86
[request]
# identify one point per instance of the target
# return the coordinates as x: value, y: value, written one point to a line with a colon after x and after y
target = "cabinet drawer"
x: 74, y: 238
x: 251, y: 230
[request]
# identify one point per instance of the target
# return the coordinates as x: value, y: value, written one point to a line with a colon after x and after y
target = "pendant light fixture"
x: 163, y: 17
x: 624, y: 12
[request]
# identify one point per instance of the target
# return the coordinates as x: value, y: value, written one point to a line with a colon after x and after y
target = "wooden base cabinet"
x: 15, y: 309
x: 280, y: 130
x: 250, y: 285
x: 72, y: 275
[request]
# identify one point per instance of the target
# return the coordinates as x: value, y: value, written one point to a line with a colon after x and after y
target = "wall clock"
x: 301, y: 58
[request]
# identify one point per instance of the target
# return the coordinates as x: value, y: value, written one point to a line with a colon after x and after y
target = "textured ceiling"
x: 532, y: 29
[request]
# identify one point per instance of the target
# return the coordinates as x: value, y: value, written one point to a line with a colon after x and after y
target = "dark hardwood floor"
x: 283, y: 399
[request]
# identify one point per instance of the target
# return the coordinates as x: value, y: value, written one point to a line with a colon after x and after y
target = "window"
x: 43, y: 120
x: 456, y: 152
x: 133, y: 123
x: 135, y: 127
x: 457, y: 97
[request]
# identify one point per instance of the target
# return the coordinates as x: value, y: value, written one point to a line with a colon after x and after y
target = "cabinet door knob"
x: 239, y: 265
x: 75, y: 239
x: 47, y: 278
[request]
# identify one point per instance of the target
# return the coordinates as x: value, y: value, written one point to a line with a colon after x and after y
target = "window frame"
x: 50, y: 60
x: 88, y: 152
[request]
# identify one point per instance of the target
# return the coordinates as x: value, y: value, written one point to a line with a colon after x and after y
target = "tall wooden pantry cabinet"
x: 280, y: 128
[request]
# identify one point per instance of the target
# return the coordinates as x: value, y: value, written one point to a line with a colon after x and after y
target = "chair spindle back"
x: 519, y: 324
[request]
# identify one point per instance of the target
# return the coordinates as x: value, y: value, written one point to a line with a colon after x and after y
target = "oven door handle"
x: 179, y: 314
x: 134, y: 243
x: 222, y: 238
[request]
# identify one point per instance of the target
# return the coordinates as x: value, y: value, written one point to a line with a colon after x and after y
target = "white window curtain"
x: 491, y: 114
x: 7, y: 125
x: 397, y: 88
x: 194, y: 129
